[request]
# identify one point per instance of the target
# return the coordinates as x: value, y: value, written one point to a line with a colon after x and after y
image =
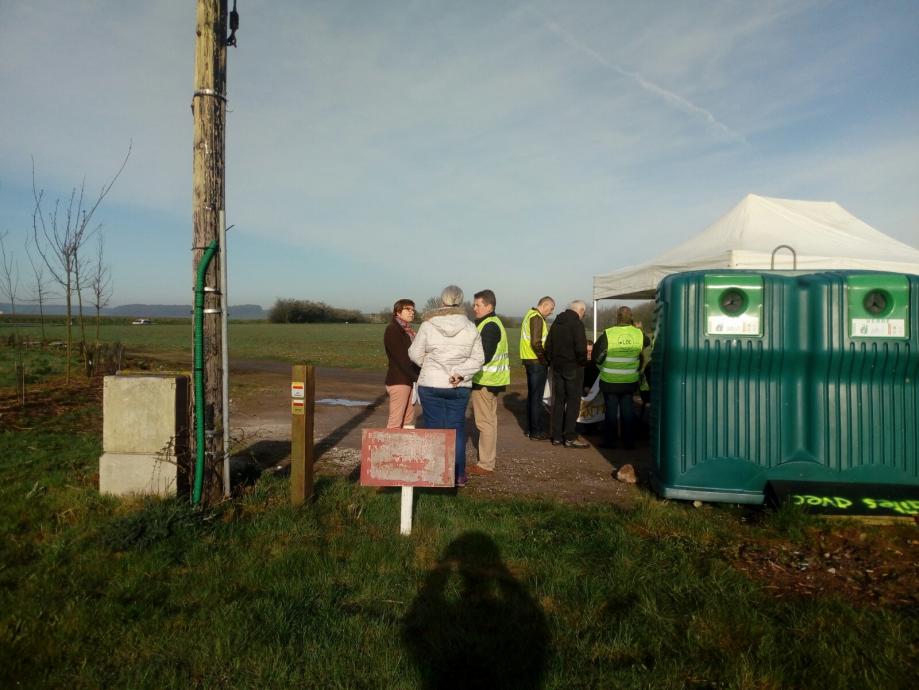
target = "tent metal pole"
x: 595, y: 320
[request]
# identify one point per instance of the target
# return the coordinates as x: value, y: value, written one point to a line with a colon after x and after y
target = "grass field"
x: 357, y: 346
x: 95, y: 592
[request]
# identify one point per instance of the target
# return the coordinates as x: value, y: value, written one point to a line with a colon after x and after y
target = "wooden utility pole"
x: 209, y: 109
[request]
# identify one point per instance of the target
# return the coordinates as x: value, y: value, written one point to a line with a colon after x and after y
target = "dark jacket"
x: 491, y: 336
x: 566, y: 346
x: 402, y: 371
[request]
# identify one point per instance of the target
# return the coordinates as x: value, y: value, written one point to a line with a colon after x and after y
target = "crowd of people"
x: 450, y: 361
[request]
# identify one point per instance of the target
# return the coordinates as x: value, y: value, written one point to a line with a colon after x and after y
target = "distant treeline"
x: 129, y: 311
x: 306, y: 311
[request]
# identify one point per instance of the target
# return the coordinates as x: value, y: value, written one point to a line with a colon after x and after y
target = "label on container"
x: 745, y: 324
x: 878, y: 328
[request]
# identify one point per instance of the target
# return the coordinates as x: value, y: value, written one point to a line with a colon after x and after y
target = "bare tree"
x: 100, y: 282
x: 9, y: 286
x: 40, y: 291
x: 9, y: 274
x: 78, y: 286
x: 65, y: 229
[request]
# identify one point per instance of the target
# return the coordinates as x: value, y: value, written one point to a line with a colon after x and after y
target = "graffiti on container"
x: 840, y: 503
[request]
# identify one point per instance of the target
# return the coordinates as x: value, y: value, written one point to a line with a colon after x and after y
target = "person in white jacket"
x: 449, y: 351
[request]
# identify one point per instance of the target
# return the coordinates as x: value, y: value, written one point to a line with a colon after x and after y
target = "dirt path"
x: 260, y: 415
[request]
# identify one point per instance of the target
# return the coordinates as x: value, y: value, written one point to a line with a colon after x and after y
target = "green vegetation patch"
x: 98, y: 592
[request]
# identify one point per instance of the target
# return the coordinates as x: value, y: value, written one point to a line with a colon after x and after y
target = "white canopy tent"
x: 821, y: 234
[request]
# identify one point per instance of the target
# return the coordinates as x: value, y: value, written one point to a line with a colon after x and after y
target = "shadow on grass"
x: 337, y: 435
x: 473, y: 625
x: 249, y: 464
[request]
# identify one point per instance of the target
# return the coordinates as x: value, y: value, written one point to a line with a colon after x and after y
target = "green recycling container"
x: 791, y: 376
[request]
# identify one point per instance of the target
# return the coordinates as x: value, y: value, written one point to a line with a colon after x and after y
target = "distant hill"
x: 239, y: 311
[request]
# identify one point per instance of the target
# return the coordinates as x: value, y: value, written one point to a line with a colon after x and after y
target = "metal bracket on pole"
x: 209, y: 92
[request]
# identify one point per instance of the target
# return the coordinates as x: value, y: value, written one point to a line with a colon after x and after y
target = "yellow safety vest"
x: 526, y: 348
x: 623, y: 346
x: 497, y: 372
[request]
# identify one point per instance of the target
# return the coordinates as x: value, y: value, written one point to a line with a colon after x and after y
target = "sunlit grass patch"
x: 255, y: 593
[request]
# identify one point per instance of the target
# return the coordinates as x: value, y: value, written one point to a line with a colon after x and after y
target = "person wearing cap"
x: 493, y: 379
x: 566, y: 350
x: 617, y: 354
x: 533, y: 334
x: 448, y: 349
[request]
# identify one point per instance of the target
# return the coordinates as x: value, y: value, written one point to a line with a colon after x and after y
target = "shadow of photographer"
x: 473, y: 625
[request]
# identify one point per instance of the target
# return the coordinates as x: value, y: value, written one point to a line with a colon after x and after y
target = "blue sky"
x: 378, y: 150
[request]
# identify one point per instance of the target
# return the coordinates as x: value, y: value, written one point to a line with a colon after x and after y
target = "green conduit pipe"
x: 199, y: 370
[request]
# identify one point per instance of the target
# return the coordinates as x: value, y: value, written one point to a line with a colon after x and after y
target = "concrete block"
x: 145, y: 414
x: 142, y: 473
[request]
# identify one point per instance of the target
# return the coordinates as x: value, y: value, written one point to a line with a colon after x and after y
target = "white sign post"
x: 408, y: 458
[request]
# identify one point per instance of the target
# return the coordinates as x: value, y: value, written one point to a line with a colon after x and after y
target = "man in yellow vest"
x: 533, y: 333
x: 617, y: 354
x: 494, y: 378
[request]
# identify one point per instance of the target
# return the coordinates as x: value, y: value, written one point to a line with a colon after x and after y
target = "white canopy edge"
x: 825, y: 235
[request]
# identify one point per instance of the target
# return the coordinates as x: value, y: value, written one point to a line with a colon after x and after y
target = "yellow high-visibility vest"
x: 526, y: 348
x: 623, y: 346
x: 496, y: 372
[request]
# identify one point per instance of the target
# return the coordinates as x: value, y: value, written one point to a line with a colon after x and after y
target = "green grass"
x: 95, y: 592
x: 331, y: 345
x: 39, y: 365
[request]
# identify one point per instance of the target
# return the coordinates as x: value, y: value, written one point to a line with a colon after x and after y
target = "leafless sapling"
x: 64, y: 229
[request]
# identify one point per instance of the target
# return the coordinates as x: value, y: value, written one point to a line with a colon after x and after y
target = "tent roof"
x: 823, y: 234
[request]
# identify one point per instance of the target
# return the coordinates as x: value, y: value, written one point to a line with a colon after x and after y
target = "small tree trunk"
x: 80, y: 314
x: 69, y: 334
x: 41, y: 317
x: 20, y: 383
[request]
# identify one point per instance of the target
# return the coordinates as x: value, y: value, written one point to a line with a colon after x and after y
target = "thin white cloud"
x: 671, y: 98
x: 439, y: 126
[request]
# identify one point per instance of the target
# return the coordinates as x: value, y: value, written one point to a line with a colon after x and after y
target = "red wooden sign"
x: 407, y: 457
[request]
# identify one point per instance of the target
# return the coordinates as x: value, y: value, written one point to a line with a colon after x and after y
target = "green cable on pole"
x: 199, y: 370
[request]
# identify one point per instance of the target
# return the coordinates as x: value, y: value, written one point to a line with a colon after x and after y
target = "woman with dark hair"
x: 402, y: 372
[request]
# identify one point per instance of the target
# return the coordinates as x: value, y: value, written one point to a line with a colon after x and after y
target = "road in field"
x: 260, y: 418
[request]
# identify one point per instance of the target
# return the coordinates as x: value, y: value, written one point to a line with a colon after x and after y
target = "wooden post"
x: 20, y: 383
x: 302, y: 414
x: 209, y: 109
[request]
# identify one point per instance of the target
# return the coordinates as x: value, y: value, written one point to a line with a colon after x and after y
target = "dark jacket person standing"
x: 617, y: 354
x: 566, y: 350
x: 402, y: 372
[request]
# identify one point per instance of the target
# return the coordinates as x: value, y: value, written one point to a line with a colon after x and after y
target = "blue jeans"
x: 536, y: 386
x: 445, y: 408
x: 619, y: 405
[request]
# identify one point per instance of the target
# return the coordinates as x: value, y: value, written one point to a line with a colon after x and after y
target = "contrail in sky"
x: 673, y: 99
